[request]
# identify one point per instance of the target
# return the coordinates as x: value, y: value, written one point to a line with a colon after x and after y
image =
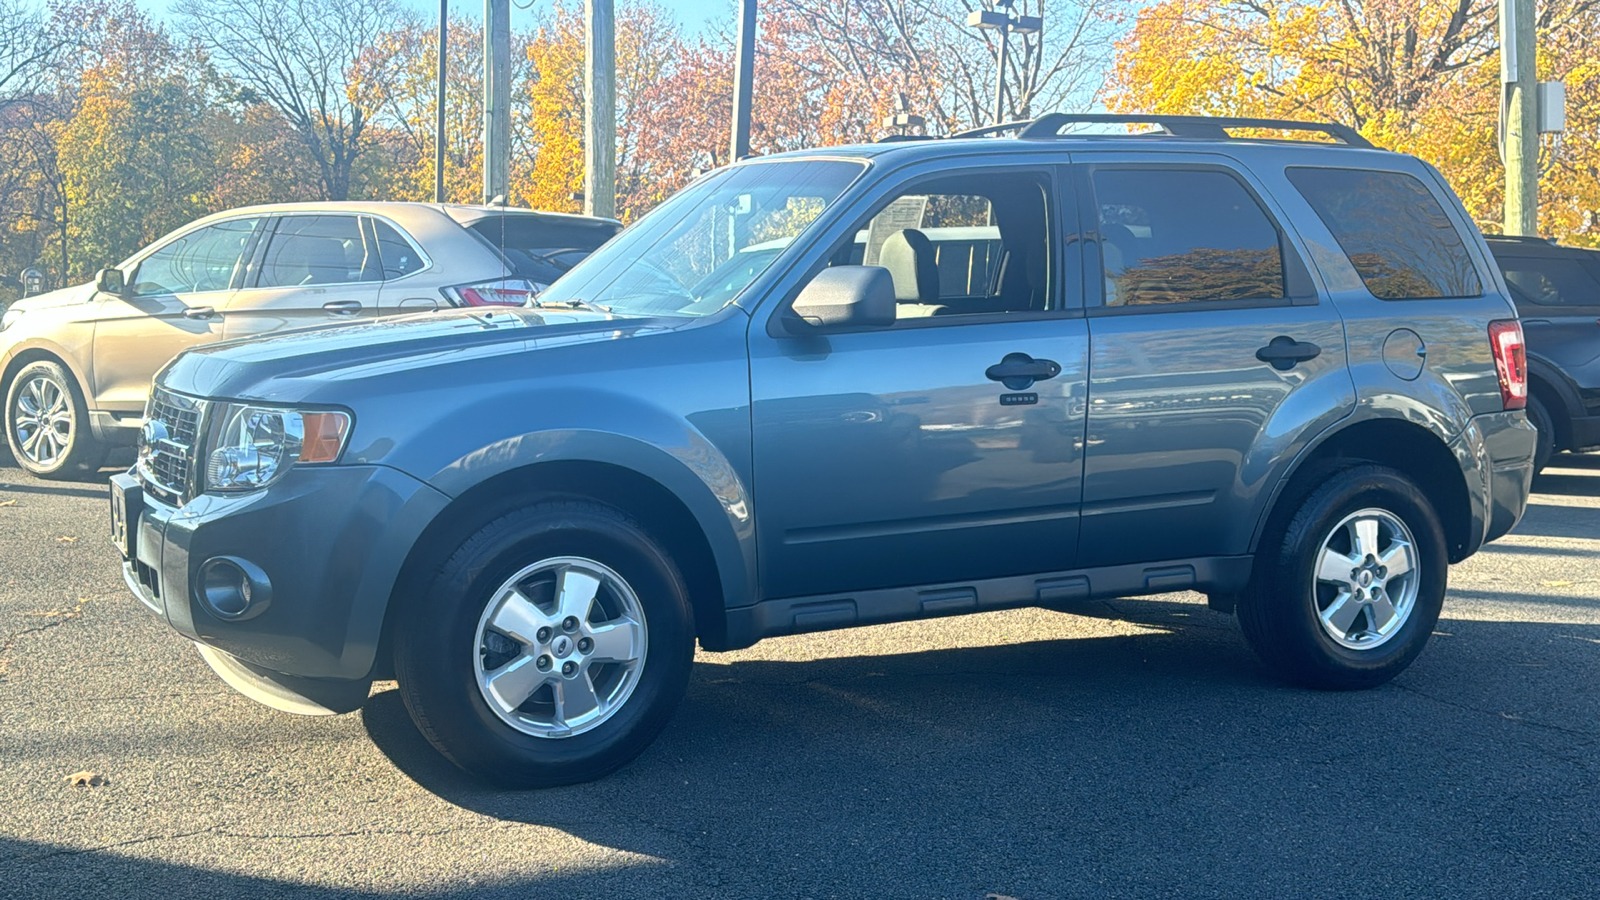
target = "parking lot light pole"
x: 1001, y: 19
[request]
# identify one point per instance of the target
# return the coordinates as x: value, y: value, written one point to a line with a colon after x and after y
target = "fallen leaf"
x: 9, y: 503
x: 66, y: 540
x: 87, y: 779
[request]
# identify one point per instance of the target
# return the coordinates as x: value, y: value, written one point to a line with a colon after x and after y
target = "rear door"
x: 174, y: 300
x: 313, y: 269
x: 1212, y: 357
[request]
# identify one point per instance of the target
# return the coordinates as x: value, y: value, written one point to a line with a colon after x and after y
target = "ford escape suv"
x: 75, y: 364
x: 856, y: 385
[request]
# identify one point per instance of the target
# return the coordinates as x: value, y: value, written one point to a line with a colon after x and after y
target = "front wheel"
x: 47, y: 423
x: 551, y: 648
x: 1345, y: 595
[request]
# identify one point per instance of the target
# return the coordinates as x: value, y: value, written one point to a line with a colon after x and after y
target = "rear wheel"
x: 47, y: 423
x: 1545, y: 445
x: 552, y: 647
x: 1346, y: 594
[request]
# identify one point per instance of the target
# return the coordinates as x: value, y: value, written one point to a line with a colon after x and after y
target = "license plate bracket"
x: 127, y: 502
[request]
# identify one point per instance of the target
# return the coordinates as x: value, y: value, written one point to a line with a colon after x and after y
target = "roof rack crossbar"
x: 1213, y: 127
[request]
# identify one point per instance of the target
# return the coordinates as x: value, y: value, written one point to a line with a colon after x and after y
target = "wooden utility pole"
x: 1519, y: 137
x: 743, y: 81
x: 496, y: 100
x: 600, y: 109
x: 438, y: 112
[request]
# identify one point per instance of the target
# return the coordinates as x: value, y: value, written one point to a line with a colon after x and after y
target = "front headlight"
x: 10, y: 318
x: 256, y: 445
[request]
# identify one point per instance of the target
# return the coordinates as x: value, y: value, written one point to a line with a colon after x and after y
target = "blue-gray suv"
x: 857, y: 385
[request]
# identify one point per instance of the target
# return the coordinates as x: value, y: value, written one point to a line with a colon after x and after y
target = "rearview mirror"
x: 110, y: 281
x: 844, y: 297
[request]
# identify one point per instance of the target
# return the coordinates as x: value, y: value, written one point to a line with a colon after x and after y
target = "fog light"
x: 232, y: 589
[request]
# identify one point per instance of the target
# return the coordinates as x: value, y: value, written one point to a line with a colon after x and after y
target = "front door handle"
x: 1282, y: 352
x: 343, y: 307
x: 1018, y: 371
x: 199, y: 312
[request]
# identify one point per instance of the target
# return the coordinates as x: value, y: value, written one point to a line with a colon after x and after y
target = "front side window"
x: 1393, y: 230
x: 308, y: 250
x: 1174, y: 236
x: 202, y: 260
x: 697, y: 252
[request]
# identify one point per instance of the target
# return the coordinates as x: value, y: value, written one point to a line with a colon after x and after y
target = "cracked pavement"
x: 1135, y: 749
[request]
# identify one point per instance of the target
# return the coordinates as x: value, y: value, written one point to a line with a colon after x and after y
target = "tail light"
x: 1511, y: 361
x: 500, y: 292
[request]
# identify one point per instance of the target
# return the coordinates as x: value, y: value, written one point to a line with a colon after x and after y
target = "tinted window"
x: 539, y: 248
x: 307, y: 250
x: 1394, y: 232
x: 202, y: 260
x: 1552, y: 282
x: 1184, y: 236
x: 396, y: 253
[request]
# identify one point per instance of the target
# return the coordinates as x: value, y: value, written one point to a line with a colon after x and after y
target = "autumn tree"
x: 298, y: 57
x: 1419, y: 77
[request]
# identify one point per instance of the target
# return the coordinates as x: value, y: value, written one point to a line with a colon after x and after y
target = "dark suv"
x: 847, y: 386
x: 1557, y: 293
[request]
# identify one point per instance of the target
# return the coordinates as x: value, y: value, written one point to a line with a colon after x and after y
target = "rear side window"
x: 1184, y: 236
x: 399, y: 258
x: 1393, y: 231
x: 1552, y: 282
x: 539, y: 248
x: 309, y: 250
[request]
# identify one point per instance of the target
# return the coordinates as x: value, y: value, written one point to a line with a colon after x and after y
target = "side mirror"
x: 844, y: 297
x: 110, y: 281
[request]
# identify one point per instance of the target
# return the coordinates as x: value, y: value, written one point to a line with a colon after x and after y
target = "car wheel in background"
x: 47, y: 424
x: 1545, y: 447
x: 551, y: 648
x: 1346, y: 594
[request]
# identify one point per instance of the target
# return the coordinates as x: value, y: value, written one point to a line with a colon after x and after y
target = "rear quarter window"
x: 542, y: 249
x: 1393, y: 231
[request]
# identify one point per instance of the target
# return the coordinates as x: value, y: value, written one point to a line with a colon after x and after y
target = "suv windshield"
x: 695, y: 253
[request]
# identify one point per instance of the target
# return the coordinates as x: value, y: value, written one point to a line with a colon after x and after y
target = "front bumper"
x: 330, y: 541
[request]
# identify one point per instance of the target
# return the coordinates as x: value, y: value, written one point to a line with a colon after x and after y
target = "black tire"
x: 1545, y: 446
x: 439, y: 640
x: 74, y: 453
x: 1279, y: 611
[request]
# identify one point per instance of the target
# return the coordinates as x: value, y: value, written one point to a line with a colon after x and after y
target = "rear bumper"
x: 322, y: 548
x: 1508, y: 442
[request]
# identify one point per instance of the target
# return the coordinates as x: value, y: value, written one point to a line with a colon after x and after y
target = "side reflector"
x: 325, y: 433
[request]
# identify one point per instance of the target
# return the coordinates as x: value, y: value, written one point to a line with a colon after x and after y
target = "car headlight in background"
x: 257, y: 444
x: 9, y: 318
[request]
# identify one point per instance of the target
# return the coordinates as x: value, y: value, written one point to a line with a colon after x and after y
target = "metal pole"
x: 496, y: 99
x: 600, y: 110
x: 438, y: 125
x: 1519, y: 74
x: 744, y: 81
x: 1000, y: 77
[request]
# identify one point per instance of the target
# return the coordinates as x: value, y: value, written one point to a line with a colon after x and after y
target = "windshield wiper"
x: 573, y: 303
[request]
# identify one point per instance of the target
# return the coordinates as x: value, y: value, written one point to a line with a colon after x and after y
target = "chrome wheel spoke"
x: 1341, y: 613
x: 1335, y: 567
x: 616, y: 642
x: 513, y: 683
x: 1364, y: 538
x: 1380, y: 614
x: 575, y: 594
x: 575, y: 698
x: 1396, y: 560
x: 517, y: 617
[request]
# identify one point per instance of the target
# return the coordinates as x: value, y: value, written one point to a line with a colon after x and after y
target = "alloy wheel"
x: 1365, y: 585
x: 42, y: 421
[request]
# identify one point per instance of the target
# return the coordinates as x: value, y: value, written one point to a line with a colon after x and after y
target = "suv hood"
x: 277, y: 366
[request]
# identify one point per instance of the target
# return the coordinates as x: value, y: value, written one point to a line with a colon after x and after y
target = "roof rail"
x: 1213, y: 127
x: 1520, y: 238
x: 994, y: 129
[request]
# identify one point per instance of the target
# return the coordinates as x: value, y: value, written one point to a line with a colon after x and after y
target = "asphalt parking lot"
x: 1134, y: 750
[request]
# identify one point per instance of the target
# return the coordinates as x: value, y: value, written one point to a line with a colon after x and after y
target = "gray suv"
x: 848, y: 386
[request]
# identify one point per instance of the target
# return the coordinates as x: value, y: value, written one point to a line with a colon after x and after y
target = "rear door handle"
x: 1018, y: 371
x: 199, y: 312
x: 343, y: 307
x: 1283, y: 352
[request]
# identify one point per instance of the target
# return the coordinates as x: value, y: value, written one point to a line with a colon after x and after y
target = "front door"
x: 1213, y: 358
x: 313, y: 270
x: 173, y: 301
x: 899, y: 456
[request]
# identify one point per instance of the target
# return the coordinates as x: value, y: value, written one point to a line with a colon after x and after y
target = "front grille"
x: 168, y: 442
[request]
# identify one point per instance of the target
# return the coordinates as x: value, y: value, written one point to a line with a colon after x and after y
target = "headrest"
x: 909, y: 257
